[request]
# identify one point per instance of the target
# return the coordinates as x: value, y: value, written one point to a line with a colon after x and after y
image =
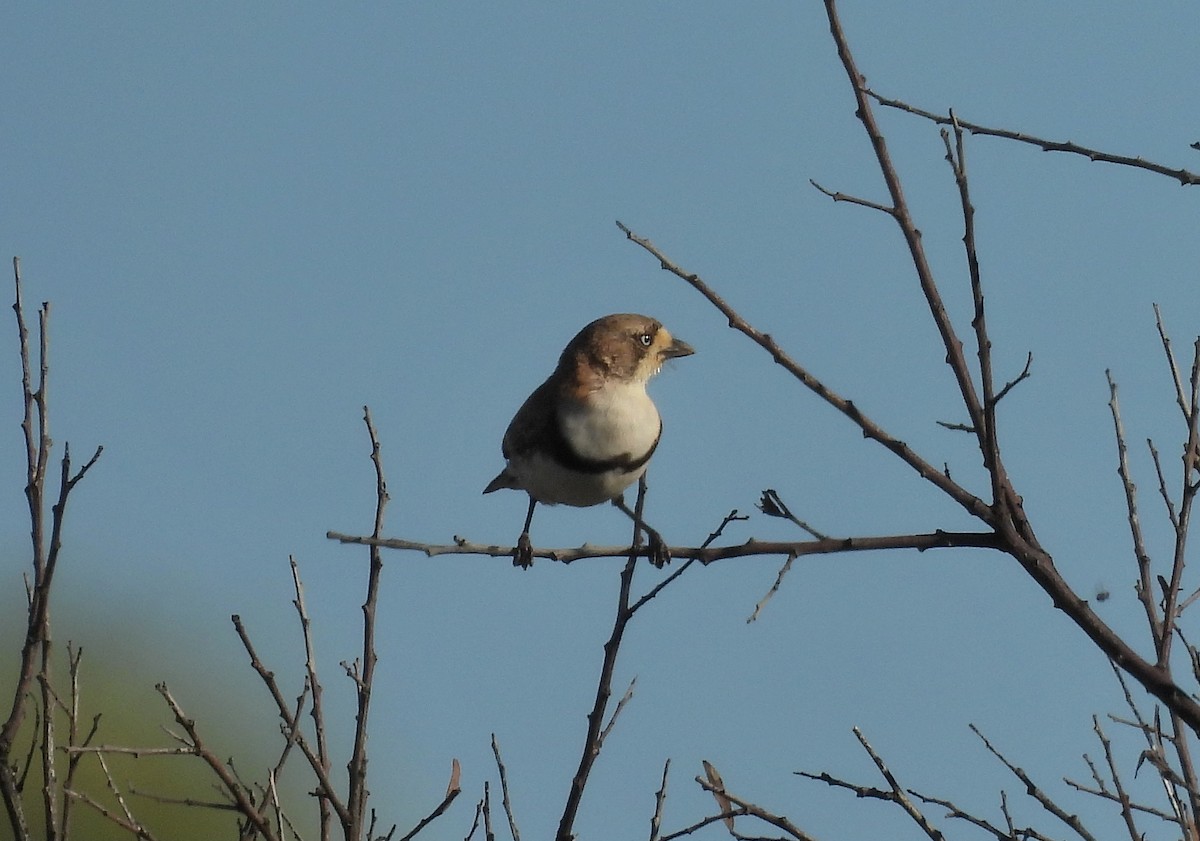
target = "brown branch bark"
x: 870, y: 429
x: 325, y: 788
x: 595, y: 718
x: 317, y: 711
x: 357, y: 767
x: 453, y: 789
x: 36, y: 650
x: 1005, y: 515
x: 1183, y: 176
x: 246, y: 807
x: 703, y: 554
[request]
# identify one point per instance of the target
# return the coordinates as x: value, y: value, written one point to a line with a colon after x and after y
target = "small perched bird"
x: 587, y: 433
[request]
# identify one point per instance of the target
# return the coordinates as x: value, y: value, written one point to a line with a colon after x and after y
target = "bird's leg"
x: 660, y: 554
x: 523, y: 554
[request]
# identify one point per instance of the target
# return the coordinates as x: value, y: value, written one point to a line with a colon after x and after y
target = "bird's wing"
x: 534, y: 423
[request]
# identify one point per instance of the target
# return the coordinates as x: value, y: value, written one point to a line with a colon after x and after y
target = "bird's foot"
x: 523, y: 554
x: 660, y: 552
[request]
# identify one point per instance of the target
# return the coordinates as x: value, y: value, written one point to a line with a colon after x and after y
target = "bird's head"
x: 625, y: 346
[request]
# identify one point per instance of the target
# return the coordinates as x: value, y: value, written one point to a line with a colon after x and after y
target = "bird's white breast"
x: 618, y: 419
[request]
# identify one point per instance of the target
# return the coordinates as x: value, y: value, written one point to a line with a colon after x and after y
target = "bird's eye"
x: 645, y: 339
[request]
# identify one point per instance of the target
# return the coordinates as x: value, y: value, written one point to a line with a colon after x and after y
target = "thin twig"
x: 745, y: 807
x: 488, y: 833
x: 356, y: 799
x: 1168, y: 503
x: 136, y: 829
x: 475, y: 822
x: 1122, y: 797
x: 506, y: 802
x: 612, y: 720
x: 899, y: 794
x: 839, y: 196
x: 869, y: 427
x: 1144, y: 589
x: 904, y: 220
x: 955, y: 812
x: 660, y: 799
x: 1182, y: 526
x: 1172, y: 365
x: 1183, y: 176
x: 317, y: 712
x: 232, y: 786
x: 292, y: 725
x: 731, y: 517
x: 985, y: 432
x: 1017, y: 380
x: 453, y: 788
x: 772, y: 504
x: 1154, y: 742
x: 783, y: 570
x: 1034, y: 791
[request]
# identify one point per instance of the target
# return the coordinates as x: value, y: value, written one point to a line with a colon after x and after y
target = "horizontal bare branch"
x: 751, y: 548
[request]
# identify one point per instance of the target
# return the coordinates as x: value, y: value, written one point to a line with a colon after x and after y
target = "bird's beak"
x: 678, y: 347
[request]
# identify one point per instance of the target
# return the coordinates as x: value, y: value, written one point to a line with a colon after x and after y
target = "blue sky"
x: 253, y: 220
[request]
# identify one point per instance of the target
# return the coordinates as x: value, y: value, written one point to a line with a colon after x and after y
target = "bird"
x: 587, y: 433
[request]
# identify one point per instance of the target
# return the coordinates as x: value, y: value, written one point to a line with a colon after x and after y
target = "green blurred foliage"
x: 131, y: 713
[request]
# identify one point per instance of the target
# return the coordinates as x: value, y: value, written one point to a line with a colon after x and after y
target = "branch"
x: 1005, y: 515
x: 313, y: 685
x: 713, y: 784
x: 1183, y: 523
x: 452, y: 791
x: 954, y: 811
x: 703, y: 554
x: 592, y: 741
x: 731, y: 517
x: 904, y: 219
x: 899, y: 795
x: 230, y: 783
x: 758, y: 607
x: 1032, y: 789
x: 870, y: 429
x: 660, y: 799
x: 986, y: 435
x: 1183, y: 176
x: 292, y: 725
x: 508, y: 813
x: 1144, y: 588
x: 1154, y: 744
x: 35, y: 658
x: 357, y: 766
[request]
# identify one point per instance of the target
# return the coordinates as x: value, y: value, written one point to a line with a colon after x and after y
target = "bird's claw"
x: 660, y: 553
x: 523, y: 554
